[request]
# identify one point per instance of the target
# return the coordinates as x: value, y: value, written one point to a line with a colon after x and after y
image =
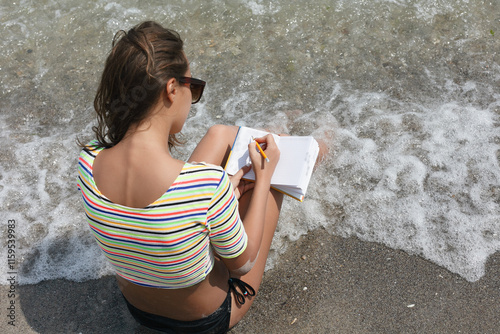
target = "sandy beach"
x: 322, y: 284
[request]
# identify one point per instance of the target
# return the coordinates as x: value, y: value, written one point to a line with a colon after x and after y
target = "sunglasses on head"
x: 195, y: 85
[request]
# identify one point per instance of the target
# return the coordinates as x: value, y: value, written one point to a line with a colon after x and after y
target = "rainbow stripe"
x: 170, y: 243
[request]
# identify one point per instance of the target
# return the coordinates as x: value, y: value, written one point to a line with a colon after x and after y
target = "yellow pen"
x: 261, y: 150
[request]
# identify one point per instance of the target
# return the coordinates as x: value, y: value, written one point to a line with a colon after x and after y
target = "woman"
x: 188, y: 243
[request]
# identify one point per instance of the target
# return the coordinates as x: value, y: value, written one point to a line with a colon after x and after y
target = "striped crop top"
x: 170, y: 243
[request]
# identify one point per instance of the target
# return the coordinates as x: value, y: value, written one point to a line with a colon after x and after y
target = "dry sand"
x: 323, y: 284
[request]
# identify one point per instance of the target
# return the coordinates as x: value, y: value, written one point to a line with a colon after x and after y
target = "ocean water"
x: 405, y: 93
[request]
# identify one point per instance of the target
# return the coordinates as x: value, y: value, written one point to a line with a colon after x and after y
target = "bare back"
x: 134, y: 176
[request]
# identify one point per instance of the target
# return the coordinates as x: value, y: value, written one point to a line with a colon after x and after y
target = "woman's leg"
x: 254, y: 276
x: 214, y: 148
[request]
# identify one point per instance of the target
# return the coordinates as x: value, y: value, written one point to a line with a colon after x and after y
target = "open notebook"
x: 297, y: 158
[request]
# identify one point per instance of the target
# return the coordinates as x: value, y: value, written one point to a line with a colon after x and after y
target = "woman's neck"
x: 153, y: 132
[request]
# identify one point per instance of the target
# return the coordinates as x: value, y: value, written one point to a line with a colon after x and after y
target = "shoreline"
x: 322, y: 284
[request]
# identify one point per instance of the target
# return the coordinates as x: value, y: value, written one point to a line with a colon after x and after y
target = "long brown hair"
x: 136, y: 71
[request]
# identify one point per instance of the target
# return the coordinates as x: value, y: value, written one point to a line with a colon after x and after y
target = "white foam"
x: 429, y: 196
x: 260, y: 7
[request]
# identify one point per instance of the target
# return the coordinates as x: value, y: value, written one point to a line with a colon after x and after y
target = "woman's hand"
x: 264, y: 170
x: 241, y: 186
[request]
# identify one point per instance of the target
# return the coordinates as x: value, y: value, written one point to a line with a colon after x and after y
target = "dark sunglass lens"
x: 196, y: 86
x: 195, y: 92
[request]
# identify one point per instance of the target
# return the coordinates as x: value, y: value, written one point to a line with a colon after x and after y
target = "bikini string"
x: 246, y: 289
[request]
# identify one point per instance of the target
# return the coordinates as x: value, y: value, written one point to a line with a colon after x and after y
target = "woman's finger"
x: 236, y: 180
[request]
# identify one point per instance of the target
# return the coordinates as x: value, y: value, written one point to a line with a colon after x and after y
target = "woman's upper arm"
x: 227, y: 233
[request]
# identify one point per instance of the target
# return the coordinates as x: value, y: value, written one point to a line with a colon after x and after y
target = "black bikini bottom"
x: 215, y: 323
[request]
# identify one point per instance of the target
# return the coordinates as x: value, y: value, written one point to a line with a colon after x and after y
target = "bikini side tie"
x: 246, y: 289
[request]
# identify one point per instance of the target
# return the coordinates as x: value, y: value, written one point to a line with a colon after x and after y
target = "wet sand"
x: 322, y: 284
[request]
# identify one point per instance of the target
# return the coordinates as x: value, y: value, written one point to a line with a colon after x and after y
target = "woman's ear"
x: 171, y: 90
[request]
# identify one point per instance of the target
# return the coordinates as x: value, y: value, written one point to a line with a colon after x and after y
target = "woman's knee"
x: 222, y: 132
x: 215, y: 146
